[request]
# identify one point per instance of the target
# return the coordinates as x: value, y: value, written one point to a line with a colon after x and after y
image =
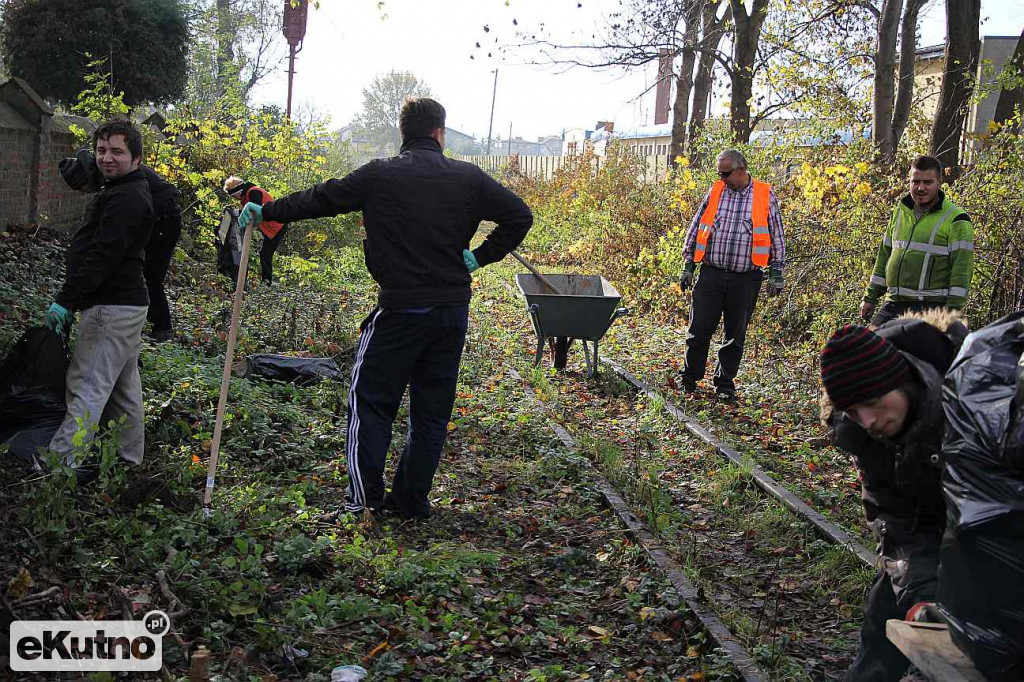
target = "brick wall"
x: 15, y: 173
x: 32, y: 142
x: 59, y: 205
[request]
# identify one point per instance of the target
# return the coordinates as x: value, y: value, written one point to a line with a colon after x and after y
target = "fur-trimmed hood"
x: 950, y: 323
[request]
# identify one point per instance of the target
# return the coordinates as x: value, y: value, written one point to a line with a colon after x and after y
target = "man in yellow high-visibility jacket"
x: 926, y: 258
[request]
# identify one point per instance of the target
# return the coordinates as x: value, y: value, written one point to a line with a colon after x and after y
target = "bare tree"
x: 892, y: 95
x: 963, y: 20
x: 638, y: 35
x: 746, y: 35
x: 712, y: 29
x: 905, y: 84
x: 684, y: 80
x: 382, y: 104
x: 248, y: 43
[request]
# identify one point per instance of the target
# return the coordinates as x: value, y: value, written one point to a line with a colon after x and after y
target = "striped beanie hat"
x: 857, y: 365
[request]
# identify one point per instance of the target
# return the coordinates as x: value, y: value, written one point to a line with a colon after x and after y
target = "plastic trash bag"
x: 348, y: 673
x: 32, y: 388
x: 228, y: 239
x: 299, y: 371
x: 981, y: 575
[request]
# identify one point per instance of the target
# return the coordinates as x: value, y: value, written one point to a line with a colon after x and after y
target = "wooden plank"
x: 929, y: 647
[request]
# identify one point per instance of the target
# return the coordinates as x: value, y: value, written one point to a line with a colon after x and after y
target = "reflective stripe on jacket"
x: 930, y: 259
x: 762, y: 240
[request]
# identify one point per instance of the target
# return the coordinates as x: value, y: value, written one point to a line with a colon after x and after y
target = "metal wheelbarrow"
x: 584, y: 309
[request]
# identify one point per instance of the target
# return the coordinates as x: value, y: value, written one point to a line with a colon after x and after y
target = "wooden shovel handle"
x: 537, y: 274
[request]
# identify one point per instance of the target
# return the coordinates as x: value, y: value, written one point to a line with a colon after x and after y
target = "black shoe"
x: 685, y: 383
x: 86, y: 475
x: 726, y: 396
x: 395, y: 508
x: 161, y: 335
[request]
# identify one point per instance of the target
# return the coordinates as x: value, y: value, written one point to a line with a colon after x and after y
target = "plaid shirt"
x: 732, y: 237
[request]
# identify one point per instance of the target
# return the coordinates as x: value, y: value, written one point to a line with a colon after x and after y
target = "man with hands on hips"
x: 420, y: 210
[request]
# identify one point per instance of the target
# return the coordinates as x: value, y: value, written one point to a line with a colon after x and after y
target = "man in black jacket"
x: 884, y: 405
x: 420, y: 210
x: 163, y: 238
x: 104, y: 281
x: 82, y: 174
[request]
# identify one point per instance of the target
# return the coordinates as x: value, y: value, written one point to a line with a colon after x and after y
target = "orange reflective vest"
x: 268, y: 227
x: 762, y: 243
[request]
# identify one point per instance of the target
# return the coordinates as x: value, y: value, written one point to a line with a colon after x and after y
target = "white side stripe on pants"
x: 357, y: 492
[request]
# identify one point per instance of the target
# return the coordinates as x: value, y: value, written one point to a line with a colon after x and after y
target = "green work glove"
x: 686, y: 279
x: 470, y: 260
x: 251, y: 213
x: 775, y: 282
x: 58, y: 318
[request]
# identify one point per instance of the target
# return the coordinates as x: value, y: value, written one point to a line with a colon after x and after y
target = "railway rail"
x: 828, y: 530
x: 746, y: 667
x: 712, y: 594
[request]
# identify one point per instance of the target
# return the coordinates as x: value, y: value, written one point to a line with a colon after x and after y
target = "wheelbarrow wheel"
x: 560, y: 351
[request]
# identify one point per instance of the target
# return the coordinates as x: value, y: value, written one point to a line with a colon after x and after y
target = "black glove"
x: 686, y: 279
x: 81, y: 173
x: 775, y: 282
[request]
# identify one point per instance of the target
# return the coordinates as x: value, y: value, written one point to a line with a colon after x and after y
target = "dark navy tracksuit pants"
x: 419, y: 348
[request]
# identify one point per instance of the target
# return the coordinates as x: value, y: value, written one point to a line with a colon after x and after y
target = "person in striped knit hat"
x: 884, y: 406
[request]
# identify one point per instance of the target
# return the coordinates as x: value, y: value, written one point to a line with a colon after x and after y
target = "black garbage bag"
x: 299, y: 371
x: 32, y: 386
x: 981, y: 575
x: 228, y: 239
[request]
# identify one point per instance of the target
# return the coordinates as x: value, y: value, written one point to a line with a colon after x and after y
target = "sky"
x: 349, y: 42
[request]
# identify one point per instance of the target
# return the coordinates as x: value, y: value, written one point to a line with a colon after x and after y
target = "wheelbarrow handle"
x: 621, y: 312
x: 537, y: 274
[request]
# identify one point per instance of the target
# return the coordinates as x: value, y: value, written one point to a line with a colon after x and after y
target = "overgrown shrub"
x: 835, y: 206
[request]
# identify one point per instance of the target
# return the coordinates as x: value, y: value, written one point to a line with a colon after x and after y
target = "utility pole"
x: 510, y: 138
x: 294, y: 28
x: 490, y: 126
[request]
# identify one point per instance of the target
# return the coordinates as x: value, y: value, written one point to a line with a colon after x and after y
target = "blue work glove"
x: 250, y: 213
x: 686, y: 279
x: 775, y: 283
x: 470, y: 260
x: 58, y: 318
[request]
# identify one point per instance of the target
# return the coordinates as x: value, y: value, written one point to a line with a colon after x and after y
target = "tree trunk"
x: 745, y: 39
x: 225, y: 46
x: 885, y: 72
x: 680, y: 108
x: 963, y: 19
x: 1011, y: 99
x: 713, y: 31
x: 905, y: 84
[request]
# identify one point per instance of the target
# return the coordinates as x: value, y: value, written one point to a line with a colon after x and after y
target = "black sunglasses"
x: 725, y: 174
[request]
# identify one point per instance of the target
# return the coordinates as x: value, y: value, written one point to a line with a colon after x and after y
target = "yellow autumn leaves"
x: 830, y: 185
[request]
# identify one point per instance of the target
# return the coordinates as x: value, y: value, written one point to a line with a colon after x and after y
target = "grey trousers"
x: 103, y: 380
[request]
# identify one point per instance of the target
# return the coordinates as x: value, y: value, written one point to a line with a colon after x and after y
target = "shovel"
x: 236, y: 308
x: 544, y: 280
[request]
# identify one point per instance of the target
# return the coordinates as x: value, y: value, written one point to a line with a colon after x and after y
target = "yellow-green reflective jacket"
x: 930, y: 259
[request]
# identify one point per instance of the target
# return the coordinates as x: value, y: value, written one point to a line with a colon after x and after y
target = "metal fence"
x: 652, y: 168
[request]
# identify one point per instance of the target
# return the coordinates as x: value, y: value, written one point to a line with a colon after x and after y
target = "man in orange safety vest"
x: 735, y: 234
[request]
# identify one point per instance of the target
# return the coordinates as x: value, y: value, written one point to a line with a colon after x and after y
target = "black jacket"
x: 104, y: 261
x: 165, y: 195
x: 420, y: 210
x: 901, y: 478
x: 901, y: 487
